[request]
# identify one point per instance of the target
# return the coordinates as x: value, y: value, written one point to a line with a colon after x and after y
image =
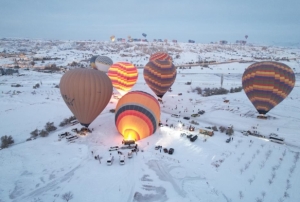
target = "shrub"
x: 43, y: 133
x: 64, y: 122
x: 34, y: 133
x: 6, y: 141
x: 67, y: 196
x: 215, y: 128
x: 50, y: 127
x: 222, y: 129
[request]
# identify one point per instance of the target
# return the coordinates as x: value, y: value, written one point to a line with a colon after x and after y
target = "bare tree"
x: 241, y: 194
x: 286, y: 195
x: 273, y: 175
x: 250, y: 181
x: 258, y: 199
x: 263, y: 193
x: 67, y: 196
x: 270, y: 181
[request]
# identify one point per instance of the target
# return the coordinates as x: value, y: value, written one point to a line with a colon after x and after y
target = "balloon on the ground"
x: 160, y: 56
x: 267, y: 83
x: 86, y: 92
x: 160, y: 76
x: 137, y: 115
x: 103, y: 63
x: 123, y: 76
x: 92, y: 61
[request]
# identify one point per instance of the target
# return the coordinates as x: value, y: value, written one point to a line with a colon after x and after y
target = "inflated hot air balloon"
x: 137, y: 115
x: 144, y: 35
x: 267, y: 83
x: 160, y: 76
x: 92, y: 61
x: 246, y: 37
x: 103, y: 63
x: 112, y: 38
x: 86, y: 92
x: 123, y: 76
x: 160, y: 56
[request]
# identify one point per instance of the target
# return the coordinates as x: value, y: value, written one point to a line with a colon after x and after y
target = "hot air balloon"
x: 137, y: 115
x: 86, y: 92
x: 160, y: 56
x: 123, y: 76
x: 144, y: 35
x: 267, y: 83
x: 112, y: 38
x: 246, y: 37
x: 160, y: 76
x: 103, y: 63
x: 92, y: 61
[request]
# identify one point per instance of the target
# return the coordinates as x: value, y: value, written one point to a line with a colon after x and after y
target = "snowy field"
x: 246, y: 169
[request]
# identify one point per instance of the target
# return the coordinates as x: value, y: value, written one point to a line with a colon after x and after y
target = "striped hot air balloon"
x: 267, y: 83
x: 160, y: 56
x: 103, y: 63
x: 137, y: 115
x: 86, y: 92
x: 160, y: 76
x: 123, y: 76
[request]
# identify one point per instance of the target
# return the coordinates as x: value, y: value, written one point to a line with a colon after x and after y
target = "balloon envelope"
x: 123, y: 76
x: 103, y: 63
x: 137, y: 115
x: 267, y: 83
x: 160, y: 76
x: 160, y: 56
x: 92, y: 61
x: 86, y: 92
x: 112, y: 38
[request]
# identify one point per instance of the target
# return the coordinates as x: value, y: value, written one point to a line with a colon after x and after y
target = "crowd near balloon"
x: 87, y: 91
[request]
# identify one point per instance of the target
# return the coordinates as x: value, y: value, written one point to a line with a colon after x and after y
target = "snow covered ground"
x: 246, y: 169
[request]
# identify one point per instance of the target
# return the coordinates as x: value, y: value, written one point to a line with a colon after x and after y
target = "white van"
x: 110, y: 160
x: 175, y: 115
x: 122, y: 159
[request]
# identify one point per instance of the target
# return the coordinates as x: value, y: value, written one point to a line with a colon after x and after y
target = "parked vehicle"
x: 171, y: 151
x: 189, y: 136
x: 175, y: 115
x: 195, y: 115
x: 201, y: 112
x: 113, y: 148
x: 64, y: 135
x: 193, y: 138
x: 74, y: 122
x: 158, y: 147
x: 182, y: 134
x: 186, y: 118
x: 166, y: 150
x: 228, y: 140
x: 110, y: 160
x: 122, y: 160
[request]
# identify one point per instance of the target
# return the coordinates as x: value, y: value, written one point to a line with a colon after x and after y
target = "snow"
x: 213, y: 170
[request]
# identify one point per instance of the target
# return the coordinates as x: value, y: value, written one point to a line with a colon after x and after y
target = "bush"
x: 43, y: 133
x: 229, y: 131
x: 215, y: 128
x: 35, y: 133
x: 222, y: 129
x: 64, y: 122
x: 50, y: 127
x: 6, y: 141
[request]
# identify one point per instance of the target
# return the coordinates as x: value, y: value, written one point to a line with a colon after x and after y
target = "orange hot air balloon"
x: 86, y: 92
x: 137, y: 115
x: 160, y: 56
x: 123, y: 76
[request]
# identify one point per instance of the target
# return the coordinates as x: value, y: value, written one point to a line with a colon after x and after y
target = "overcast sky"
x: 264, y: 21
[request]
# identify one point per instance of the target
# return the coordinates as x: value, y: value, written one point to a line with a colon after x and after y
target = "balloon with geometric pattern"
x: 160, y: 76
x: 103, y: 63
x: 160, y: 56
x: 266, y: 84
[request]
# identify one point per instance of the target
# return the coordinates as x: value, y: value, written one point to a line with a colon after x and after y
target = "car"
x: 194, y: 138
x: 201, y: 112
x: 186, y: 118
x: 171, y: 151
x: 113, y: 148
x: 189, y: 136
x: 182, y: 134
x: 228, y: 140
x: 175, y: 115
x: 165, y: 150
x: 195, y: 115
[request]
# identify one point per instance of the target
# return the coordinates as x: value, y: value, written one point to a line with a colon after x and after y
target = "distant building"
x: 191, y: 41
x: 223, y: 42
